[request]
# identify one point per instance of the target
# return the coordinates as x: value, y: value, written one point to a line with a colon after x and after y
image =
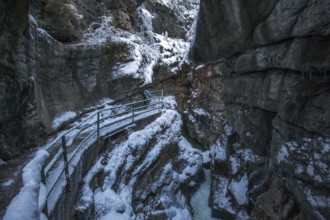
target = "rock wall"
x: 204, y: 111
x: 17, y: 100
x: 63, y: 56
x: 276, y: 95
x: 42, y: 76
x: 66, y: 20
x: 173, y: 17
x: 71, y: 77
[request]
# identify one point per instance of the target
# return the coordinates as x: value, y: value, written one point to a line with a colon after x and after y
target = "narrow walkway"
x: 95, y: 126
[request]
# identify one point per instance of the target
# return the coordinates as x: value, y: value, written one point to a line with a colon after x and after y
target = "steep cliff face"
x: 42, y: 78
x: 17, y: 103
x: 273, y: 57
x: 63, y: 56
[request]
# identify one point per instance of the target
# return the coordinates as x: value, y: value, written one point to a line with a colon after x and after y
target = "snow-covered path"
x: 130, y: 175
x: 28, y: 200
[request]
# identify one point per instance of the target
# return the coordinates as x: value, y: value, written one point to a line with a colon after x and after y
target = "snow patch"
x: 206, y: 157
x: 228, y: 129
x: 7, y: 183
x: 220, y: 198
x: 109, y: 205
x: 200, y: 112
x: 234, y: 164
x: 32, y: 20
x: 317, y: 201
x: 218, y: 151
x: 60, y: 119
x: 299, y: 169
x: 2, y: 163
x: 282, y: 154
x: 74, y: 11
x: 25, y: 204
x: 239, y: 190
x: 200, y: 199
x: 169, y: 102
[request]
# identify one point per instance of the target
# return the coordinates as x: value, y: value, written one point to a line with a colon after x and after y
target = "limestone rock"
x: 275, y: 93
x: 274, y: 204
x: 17, y: 100
x: 255, y: 24
x: 204, y: 111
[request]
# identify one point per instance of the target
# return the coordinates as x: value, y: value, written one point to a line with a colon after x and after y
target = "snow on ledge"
x: 60, y: 119
x: 25, y: 204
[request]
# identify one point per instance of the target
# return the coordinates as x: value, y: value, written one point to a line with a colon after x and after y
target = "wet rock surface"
x: 276, y: 98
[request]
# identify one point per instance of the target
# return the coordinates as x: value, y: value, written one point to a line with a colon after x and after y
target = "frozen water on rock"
x: 200, y: 199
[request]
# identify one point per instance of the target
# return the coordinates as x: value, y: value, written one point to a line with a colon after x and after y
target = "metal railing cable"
x: 129, y: 112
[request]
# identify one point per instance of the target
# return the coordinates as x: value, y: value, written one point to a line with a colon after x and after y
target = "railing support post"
x: 162, y: 100
x: 98, y: 128
x: 133, y: 111
x: 43, y: 180
x: 66, y: 165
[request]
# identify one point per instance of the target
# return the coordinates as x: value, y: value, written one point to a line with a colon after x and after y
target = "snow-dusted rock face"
x: 67, y: 20
x: 145, y: 177
x: 61, y: 56
x: 274, y: 59
x: 173, y: 17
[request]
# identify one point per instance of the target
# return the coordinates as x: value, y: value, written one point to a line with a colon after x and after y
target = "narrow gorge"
x: 164, y: 109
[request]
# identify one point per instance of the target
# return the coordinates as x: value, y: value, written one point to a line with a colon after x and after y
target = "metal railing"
x: 94, y: 124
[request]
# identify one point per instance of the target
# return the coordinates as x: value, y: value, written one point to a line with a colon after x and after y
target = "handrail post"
x: 162, y: 105
x: 98, y: 128
x: 133, y: 113
x: 66, y: 165
x: 43, y: 180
